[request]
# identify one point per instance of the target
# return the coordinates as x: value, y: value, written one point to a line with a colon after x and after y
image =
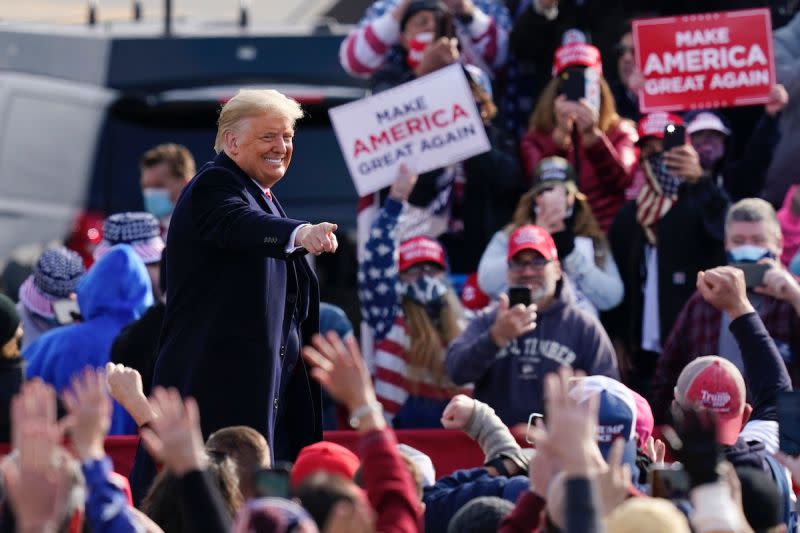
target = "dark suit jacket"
x: 221, y: 342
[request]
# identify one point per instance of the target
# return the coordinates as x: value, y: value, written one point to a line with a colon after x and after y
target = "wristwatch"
x: 361, y: 412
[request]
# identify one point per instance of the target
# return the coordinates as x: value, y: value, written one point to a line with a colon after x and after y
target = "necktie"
x: 268, y: 194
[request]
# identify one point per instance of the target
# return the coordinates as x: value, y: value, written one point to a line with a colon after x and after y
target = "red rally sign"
x: 706, y: 60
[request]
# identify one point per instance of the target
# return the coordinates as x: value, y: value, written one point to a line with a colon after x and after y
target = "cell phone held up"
x: 272, y: 482
x: 674, y: 136
x: 573, y: 84
x: 519, y: 295
x: 753, y: 273
x: 66, y: 311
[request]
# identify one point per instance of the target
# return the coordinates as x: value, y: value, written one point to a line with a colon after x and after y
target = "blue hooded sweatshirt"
x: 115, y: 292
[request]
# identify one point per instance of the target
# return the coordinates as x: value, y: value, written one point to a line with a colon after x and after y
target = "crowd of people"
x: 620, y: 351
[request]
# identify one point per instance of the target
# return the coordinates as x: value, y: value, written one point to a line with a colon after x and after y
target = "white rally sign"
x: 427, y: 123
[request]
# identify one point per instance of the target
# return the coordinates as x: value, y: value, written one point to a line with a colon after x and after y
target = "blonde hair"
x: 250, y: 103
x: 543, y: 117
x: 661, y: 516
x: 428, y: 342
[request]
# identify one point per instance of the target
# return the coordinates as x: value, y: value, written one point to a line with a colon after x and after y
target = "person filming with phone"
x: 532, y: 331
x: 673, y: 228
x: 753, y: 243
x: 555, y: 204
x: 576, y: 118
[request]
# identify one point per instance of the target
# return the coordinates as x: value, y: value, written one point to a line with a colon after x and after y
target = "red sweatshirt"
x: 390, y: 489
x: 527, y: 516
x: 605, y: 166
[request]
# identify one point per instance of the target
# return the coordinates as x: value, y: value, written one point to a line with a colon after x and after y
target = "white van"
x: 79, y: 105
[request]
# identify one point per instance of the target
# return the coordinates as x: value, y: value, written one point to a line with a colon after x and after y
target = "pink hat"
x: 644, y: 419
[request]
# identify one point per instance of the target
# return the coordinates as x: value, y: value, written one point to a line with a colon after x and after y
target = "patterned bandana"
x: 139, y: 229
x: 658, y: 195
x: 427, y: 291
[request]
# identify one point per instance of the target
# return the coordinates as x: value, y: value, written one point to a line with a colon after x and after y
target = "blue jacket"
x: 451, y: 493
x: 107, y: 509
x: 115, y: 292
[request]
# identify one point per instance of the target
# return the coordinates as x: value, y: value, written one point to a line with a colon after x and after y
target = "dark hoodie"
x: 766, y: 378
x: 510, y: 379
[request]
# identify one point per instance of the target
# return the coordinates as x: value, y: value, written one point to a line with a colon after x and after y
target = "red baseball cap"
x: 532, y: 237
x: 323, y: 456
x: 472, y: 296
x: 421, y: 250
x: 653, y: 125
x: 577, y: 54
x: 715, y: 384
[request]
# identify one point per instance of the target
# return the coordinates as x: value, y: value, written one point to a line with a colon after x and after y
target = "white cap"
x: 423, y: 462
x: 707, y: 121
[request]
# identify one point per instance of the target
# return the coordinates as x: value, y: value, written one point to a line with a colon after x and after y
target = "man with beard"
x: 507, y: 350
x: 752, y: 235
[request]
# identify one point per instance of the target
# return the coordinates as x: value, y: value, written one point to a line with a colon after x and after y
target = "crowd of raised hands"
x: 567, y: 474
x: 49, y: 478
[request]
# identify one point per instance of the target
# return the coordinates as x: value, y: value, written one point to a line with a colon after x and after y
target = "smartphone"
x: 445, y: 26
x: 753, y: 273
x: 573, y: 84
x: 668, y: 481
x: 272, y: 482
x: 674, y: 135
x: 66, y: 311
x: 531, y: 424
x: 519, y: 295
x: 789, y: 422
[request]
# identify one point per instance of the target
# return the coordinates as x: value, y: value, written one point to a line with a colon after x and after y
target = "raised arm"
x: 377, y: 272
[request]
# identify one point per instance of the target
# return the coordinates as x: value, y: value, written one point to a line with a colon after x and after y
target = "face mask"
x: 748, y: 253
x: 416, y: 48
x: 710, y: 153
x: 668, y: 182
x: 157, y: 202
x: 429, y: 292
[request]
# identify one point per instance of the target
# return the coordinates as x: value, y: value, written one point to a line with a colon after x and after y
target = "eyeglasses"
x: 536, y: 264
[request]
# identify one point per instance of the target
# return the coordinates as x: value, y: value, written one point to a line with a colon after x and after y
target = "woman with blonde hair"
x: 413, y: 313
x: 576, y: 118
x: 555, y: 204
